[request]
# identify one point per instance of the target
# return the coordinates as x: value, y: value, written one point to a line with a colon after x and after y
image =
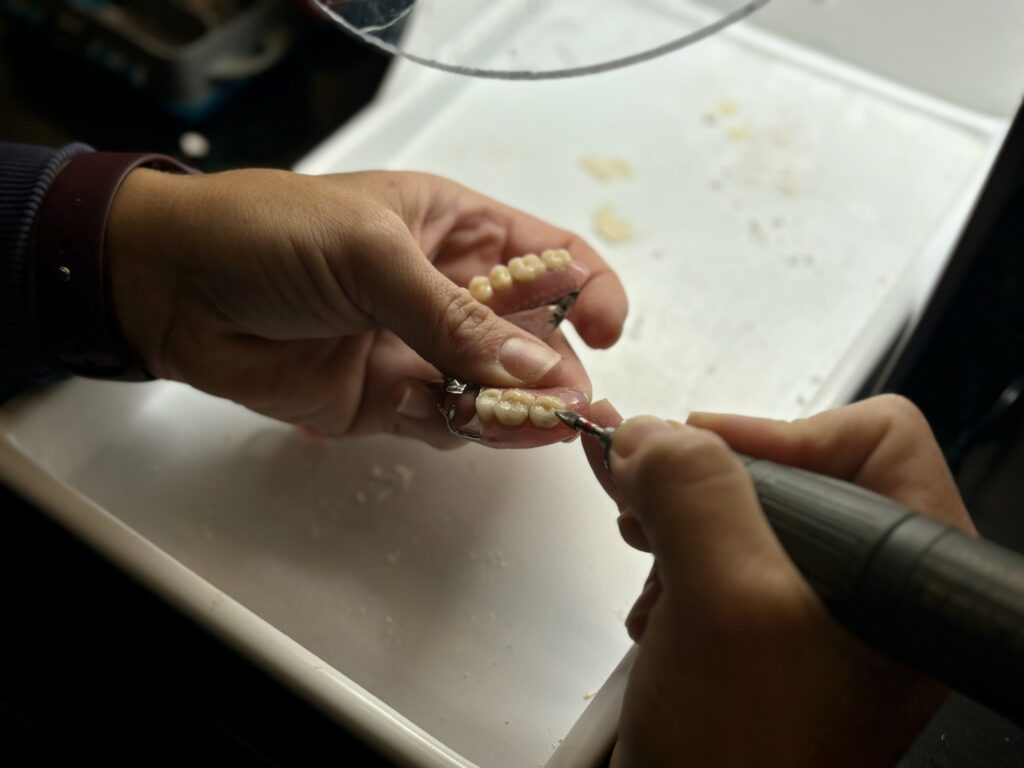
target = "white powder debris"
x: 383, y: 483
x: 492, y: 557
x: 589, y: 695
x: 635, y: 325
x: 405, y: 475
x: 757, y: 231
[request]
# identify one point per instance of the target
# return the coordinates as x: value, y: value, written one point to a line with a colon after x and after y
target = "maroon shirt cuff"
x: 73, y: 305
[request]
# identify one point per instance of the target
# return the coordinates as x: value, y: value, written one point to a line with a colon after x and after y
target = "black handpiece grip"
x: 945, y: 603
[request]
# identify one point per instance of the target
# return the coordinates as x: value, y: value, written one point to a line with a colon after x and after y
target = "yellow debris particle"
x: 607, y: 168
x: 611, y: 226
x: 738, y: 133
x: 727, y: 108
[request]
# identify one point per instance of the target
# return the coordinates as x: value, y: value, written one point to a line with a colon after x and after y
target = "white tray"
x: 776, y: 251
x: 445, y: 609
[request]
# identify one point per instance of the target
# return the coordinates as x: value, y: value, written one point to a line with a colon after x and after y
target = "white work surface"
x: 458, y: 608
x: 779, y: 209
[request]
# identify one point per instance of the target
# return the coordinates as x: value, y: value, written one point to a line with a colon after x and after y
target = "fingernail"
x: 418, y: 402
x: 527, y: 360
x: 634, y: 431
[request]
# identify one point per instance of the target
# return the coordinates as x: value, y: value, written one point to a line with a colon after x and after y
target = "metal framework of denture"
x: 535, y: 293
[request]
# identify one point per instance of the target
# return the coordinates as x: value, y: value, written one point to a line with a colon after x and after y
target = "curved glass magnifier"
x: 534, y: 39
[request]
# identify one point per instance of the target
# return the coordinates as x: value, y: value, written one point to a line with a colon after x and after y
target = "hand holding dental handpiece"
x: 739, y: 662
x: 333, y: 301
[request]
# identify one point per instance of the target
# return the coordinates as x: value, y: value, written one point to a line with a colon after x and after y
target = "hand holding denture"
x: 352, y: 303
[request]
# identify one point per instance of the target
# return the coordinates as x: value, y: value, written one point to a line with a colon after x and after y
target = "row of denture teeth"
x: 511, y: 407
x: 521, y: 268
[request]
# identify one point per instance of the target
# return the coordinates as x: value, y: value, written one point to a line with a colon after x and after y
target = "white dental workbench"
x: 794, y: 190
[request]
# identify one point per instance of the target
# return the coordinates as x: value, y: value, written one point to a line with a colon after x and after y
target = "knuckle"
x: 685, y: 456
x: 805, y: 437
x: 464, y: 322
x: 377, y: 227
x: 902, y: 412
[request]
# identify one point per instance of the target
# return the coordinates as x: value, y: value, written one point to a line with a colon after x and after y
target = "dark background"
x: 95, y: 670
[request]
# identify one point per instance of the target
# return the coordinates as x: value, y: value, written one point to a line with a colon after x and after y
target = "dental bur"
x: 928, y: 594
x: 586, y: 426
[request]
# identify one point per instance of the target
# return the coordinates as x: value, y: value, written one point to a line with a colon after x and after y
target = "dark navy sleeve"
x: 26, y: 172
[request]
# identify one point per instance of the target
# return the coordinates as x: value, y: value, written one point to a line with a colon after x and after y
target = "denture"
x: 515, y: 417
x: 535, y: 292
x: 529, y: 281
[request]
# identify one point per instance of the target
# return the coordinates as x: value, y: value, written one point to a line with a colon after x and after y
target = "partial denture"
x: 523, y: 269
x: 535, y: 293
x: 512, y: 418
x: 512, y: 407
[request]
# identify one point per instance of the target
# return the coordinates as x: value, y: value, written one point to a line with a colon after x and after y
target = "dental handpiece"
x: 941, y: 601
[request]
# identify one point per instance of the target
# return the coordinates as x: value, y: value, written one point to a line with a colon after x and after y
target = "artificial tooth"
x: 485, y: 403
x: 533, y: 261
x: 542, y: 412
x: 559, y: 259
x: 480, y: 288
x: 520, y: 270
x: 501, y: 278
x: 513, y: 408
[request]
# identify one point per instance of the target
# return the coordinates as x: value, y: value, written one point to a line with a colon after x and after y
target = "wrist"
x: 140, y: 263
x: 71, y: 289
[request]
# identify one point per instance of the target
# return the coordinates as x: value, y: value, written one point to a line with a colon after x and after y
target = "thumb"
x: 444, y: 324
x: 695, y: 502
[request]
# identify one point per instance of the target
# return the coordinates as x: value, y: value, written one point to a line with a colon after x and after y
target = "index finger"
x: 601, y: 309
x: 883, y: 444
x: 489, y: 231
